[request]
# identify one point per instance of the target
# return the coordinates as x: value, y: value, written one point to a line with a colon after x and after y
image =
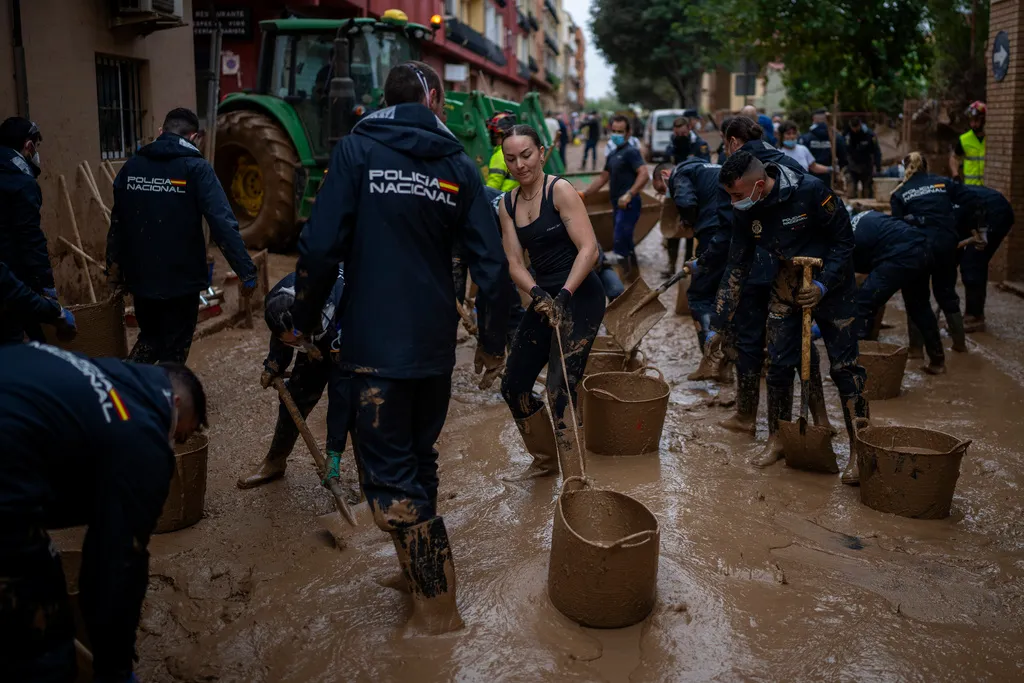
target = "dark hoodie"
x: 155, y: 244
x: 800, y: 217
x: 85, y: 442
x: 399, y: 194
x: 20, y: 306
x: 22, y: 243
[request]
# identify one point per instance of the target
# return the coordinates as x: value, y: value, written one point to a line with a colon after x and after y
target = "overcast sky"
x: 599, y: 73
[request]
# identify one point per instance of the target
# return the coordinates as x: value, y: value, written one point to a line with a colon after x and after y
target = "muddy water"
x: 764, y: 574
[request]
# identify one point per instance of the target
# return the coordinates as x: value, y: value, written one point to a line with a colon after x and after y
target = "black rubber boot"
x: 936, y: 354
x: 539, y: 438
x: 673, y: 259
x: 425, y: 556
x: 955, y: 325
x: 853, y: 408
x: 780, y: 407
x: 748, y: 395
x: 916, y: 340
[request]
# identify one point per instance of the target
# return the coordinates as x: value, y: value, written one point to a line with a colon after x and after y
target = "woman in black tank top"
x: 546, y: 217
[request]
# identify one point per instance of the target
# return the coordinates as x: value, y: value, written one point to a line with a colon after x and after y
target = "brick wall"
x: 1004, y: 142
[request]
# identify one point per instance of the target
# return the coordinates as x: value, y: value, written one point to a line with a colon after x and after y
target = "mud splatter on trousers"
x: 535, y: 346
x: 394, y: 425
x: 36, y: 625
x: 911, y: 276
x: 166, y: 327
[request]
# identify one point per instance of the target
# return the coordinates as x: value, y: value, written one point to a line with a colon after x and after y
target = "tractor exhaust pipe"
x: 342, y: 94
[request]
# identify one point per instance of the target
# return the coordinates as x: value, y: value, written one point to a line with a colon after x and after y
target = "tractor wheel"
x: 256, y: 162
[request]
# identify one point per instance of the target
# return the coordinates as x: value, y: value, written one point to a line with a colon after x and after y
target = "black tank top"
x: 551, y: 250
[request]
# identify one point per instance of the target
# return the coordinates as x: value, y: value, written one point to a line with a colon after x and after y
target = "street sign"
x: 235, y: 23
x: 1000, y: 55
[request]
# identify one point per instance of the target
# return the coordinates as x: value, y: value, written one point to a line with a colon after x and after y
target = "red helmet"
x: 501, y: 123
x: 976, y: 108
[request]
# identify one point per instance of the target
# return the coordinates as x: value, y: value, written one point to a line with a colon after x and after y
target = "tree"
x: 958, y: 31
x: 650, y: 92
x: 669, y: 39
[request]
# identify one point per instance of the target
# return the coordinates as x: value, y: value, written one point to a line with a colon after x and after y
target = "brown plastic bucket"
x: 184, y: 506
x: 884, y: 364
x: 101, y: 330
x: 612, y: 361
x: 603, y: 570
x: 605, y: 342
x: 625, y: 411
x: 908, y: 471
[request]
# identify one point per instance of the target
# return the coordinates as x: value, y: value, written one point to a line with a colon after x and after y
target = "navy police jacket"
x: 22, y: 242
x: 155, y: 244
x: 19, y: 306
x: 693, y: 186
x: 682, y: 148
x: 326, y: 336
x: 817, y: 141
x: 930, y: 199
x: 400, y: 194
x: 800, y: 217
x: 86, y: 442
x: 990, y: 210
x: 879, y: 238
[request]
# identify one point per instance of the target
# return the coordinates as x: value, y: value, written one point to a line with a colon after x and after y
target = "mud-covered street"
x: 764, y: 574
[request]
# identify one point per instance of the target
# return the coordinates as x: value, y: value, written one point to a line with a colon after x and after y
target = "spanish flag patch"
x: 448, y: 186
x: 119, y: 406
x: 178, y: 183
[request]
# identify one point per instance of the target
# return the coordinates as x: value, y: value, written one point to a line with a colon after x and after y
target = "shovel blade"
x: 627, y: 326
x: 811, y: 450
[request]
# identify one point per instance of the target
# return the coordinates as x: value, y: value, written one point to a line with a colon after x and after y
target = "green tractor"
x: 316, y: 79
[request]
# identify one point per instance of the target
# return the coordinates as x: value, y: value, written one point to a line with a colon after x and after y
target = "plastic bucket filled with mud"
x: 603, y: 571
x: 184, y: 506
x: 625, y: 411
x: 101, y: 330
x: 612, y: 360
x: 884, y: 364
x: 908, y: 471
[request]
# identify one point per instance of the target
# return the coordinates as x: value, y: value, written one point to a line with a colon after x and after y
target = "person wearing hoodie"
x: 399, y: 195
x: 989, y: 225
x: 21, y: 307
x: 792, y: 215
x: 86, y: 442
x: 155, y: 246
x: 817, y: 140
x: 22, y: 242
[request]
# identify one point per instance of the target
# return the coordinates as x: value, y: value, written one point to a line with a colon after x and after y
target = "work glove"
x: 50, y: 292
x: 712, y: 344
x: 542, y: 301
x: 625, y: 199
x: 560, y: 311
x: 815, y: 331
x: 305, y: 345
x: 249, y: 286
x: 66, y: 327
x: 692, y: 267
x: 487, y: 366
x: 267, y: 378
x: 810, y: 296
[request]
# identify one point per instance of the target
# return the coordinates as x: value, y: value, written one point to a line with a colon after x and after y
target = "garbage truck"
x: 316, y: 79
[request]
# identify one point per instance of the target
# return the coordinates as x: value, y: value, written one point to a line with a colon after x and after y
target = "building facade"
x: 98, y: 81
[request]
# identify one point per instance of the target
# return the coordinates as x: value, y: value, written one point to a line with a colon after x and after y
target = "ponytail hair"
x: 912, y: 164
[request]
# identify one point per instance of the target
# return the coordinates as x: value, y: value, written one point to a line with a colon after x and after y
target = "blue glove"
x: 693, y: 267
x: 815, y: 331
x: 249, y: 285
x: 823, y: 288
x: 65, y: 325
x: 50, y: 292
x: 809, y: 297
x: 712, y: 343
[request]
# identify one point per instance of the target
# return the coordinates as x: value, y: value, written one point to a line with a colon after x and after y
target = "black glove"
x: 542, y: 301
x: 560, y: 313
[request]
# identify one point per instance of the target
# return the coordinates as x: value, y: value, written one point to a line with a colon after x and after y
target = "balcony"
x: 524, y: 71
x: 533, y: 65
x: 552, y: 10
x: 532, y: 21
x: 551, y: 42
x: 523, y: 22
x: 463, y: 35
x: 553, y: 79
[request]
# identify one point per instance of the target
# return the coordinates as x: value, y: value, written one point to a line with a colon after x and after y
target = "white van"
x: 658, y: 132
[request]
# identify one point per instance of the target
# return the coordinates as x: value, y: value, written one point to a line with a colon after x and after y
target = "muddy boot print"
x: 748, y: 395
x: 539, y: 438
x: 780, y: 407
x: 425, y: 556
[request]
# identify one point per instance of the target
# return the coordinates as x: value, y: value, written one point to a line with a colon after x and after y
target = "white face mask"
x: 35, y: 159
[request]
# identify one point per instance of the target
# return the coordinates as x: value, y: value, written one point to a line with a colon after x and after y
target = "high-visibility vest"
x: 498, y: 175
x: 974, y: 158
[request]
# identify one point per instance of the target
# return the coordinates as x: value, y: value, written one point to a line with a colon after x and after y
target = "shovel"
x: 333, y: 485
x: 636, y: 311
x: 807, y: 447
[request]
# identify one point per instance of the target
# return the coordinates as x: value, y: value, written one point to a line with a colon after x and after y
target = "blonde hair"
x: 912, y: 163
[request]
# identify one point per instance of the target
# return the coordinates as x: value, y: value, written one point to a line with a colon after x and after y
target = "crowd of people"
x: 90, y: 441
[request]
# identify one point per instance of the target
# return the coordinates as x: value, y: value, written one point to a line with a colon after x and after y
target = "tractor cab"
x: 297, y: 63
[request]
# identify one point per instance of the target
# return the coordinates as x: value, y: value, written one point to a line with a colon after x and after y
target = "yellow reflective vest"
x: 498, y: 175
x: 974, y: 158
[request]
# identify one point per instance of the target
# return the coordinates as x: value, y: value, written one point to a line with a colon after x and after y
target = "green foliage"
x: 647, y: 91
x: 957, y: 73
x: 604, y: 104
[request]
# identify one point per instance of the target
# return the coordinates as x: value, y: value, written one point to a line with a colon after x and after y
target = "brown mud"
x: 763, y: 574
x: 885, y: 365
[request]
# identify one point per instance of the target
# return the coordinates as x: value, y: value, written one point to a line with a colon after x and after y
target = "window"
x: 451, y: 8
x: 746, y: 78
x: 119, y: 100
x: 494, y: 26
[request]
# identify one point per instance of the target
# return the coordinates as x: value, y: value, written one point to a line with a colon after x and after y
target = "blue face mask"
x: 618, y: 139
x: 748, y: 203
x: 789, y: 143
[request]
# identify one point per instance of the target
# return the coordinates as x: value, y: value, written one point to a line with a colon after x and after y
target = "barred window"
x: 118, y: 94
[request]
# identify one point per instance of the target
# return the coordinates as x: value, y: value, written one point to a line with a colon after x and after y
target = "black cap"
x: 820, y: 111
x: 16, y: 130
